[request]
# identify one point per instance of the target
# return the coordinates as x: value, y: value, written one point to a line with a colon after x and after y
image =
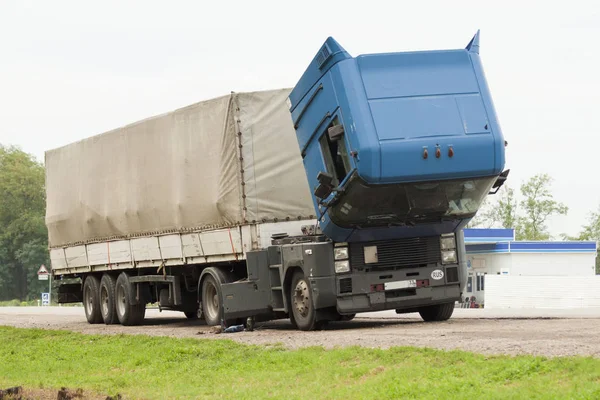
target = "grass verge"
x: 161, y: 367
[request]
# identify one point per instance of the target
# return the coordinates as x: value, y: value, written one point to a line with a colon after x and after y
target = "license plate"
x: 400, y: 285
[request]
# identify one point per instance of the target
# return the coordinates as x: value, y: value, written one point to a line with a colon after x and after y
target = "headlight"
x: 448, y: 242
x: 342, y: 266
x: 448, y: 256
x: 340, y: 253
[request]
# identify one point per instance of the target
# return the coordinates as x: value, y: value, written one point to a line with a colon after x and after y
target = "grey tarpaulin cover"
x: 184, y: 170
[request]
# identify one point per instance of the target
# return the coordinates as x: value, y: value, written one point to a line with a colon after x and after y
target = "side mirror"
x: 500, y: 181
x: 335, y: 132
x: 325, y: 185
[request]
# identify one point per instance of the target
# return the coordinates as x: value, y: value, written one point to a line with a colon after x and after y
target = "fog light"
x: 340, y: 253
x: 448, y: 256
x: 342, y: 266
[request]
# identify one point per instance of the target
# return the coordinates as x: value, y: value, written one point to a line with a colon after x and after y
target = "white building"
x: 493, y: 252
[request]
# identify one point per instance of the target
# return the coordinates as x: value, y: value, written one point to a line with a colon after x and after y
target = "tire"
x: 91, y: 299
x: 438, y: 312
x: 108, y: 306
x: 303, y: 314
x: 212, y: 297
x: 127, y: 313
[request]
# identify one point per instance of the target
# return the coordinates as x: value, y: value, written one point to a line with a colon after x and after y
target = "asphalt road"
x: 539, y: 332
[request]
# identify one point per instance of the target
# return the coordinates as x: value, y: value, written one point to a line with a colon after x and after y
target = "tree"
x: 538, y: 205
x: 23, y: 234
x: 501, y: 214
x: 590, y: 231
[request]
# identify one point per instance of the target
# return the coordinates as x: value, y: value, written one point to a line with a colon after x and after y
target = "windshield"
x: 410, y: 203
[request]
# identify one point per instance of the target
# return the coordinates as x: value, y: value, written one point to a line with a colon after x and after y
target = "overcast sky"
x: 72, y: 69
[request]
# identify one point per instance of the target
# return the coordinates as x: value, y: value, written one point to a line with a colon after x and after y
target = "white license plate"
x: 400, y: 285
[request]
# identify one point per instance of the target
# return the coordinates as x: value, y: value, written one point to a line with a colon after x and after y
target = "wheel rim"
x: 302, y: 298
x: 104, y: 301
x: 89, y: 302
x: 212, y: 300
x: 121, y: 300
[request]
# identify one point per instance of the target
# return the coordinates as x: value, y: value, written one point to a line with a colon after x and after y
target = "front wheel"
x: 438, y: 312
x: 304, y: 315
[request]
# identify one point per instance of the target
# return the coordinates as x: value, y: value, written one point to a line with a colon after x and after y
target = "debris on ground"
x: 234, y: 328
x: 13, y: 393
x: 68, y: 394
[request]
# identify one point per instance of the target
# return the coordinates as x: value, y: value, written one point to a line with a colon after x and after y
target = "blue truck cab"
x: 397, y: 144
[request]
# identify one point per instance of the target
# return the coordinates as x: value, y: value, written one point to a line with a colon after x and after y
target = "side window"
x: 335, y: 154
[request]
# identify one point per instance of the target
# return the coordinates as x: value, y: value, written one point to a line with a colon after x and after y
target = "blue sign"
x: 45, y: 299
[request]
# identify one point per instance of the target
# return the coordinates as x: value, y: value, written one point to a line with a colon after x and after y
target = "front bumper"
x: 356, y: 292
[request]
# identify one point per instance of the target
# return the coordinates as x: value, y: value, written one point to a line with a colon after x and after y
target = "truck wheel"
x: 438, y: 312
x: 303, y: 310
x: 212, y: 297
x: 91, y: 301
x: 107, y: 299
x: 127, y: 313
x: 212, y: 304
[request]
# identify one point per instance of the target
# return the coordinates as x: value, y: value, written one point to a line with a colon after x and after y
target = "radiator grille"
x: 398, y: 253
x: 346, y: 285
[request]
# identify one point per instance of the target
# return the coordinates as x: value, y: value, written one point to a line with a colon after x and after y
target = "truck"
x: 346, y: 194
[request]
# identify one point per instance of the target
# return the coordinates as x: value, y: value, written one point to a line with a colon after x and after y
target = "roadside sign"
x: 43, y: 273
x: 45, y: 299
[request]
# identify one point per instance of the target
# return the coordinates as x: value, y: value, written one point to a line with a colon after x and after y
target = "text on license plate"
x: 400, y: 285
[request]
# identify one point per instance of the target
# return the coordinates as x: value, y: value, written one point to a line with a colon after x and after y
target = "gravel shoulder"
x: 538, y: 332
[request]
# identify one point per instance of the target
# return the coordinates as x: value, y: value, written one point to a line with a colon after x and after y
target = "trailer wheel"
x: 128, y: 314
x: 91, y: 301
x: 107, y: 299
x: 212, y: 304
x: 303, y: 310
x: 438, y: 312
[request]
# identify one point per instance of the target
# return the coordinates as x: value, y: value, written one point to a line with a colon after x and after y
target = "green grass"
x: 160, y: 367
x: 18, y: 303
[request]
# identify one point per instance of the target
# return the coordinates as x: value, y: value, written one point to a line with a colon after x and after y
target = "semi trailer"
x: 347, y: 193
